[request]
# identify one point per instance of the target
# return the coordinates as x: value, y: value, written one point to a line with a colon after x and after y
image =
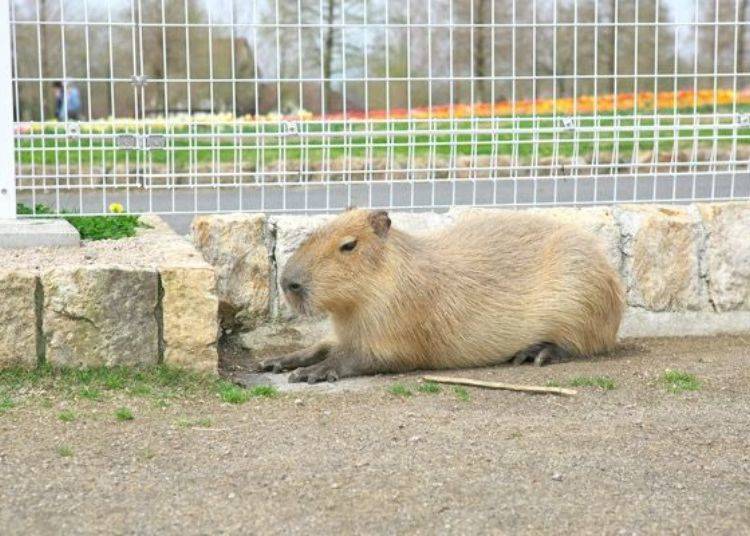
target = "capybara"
x: 492, y: 287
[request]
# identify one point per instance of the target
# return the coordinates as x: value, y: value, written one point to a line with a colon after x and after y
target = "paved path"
x: 441, y: 194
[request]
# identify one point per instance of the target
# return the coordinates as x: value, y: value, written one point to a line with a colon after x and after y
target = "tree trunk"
x: 741, y: 37
x: 48, y: 106
x: 480, y: 50
x: 328, y: 58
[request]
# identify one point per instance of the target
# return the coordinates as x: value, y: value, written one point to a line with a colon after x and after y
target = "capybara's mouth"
x: 300, y: 303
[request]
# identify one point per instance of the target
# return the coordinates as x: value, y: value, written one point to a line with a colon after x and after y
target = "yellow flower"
x: 116, y: 208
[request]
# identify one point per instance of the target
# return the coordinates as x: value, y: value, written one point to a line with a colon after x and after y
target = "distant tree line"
x: 330, y: 55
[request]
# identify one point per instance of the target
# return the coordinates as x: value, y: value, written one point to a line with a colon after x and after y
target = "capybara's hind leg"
x: 551, y: 353
x: 541, y: 354
x: 528, y: 354
x: 301, y: 358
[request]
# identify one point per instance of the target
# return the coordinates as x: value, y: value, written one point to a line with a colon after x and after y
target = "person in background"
x: 67, y: 102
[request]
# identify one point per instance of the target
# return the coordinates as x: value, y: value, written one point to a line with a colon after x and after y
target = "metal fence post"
x: 7, y: 165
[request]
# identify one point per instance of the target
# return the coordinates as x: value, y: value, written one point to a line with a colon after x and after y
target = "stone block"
x: 661, y: 247
x: 236, y: 245
x: 18, y: 323
x: 727, y: 254
x: 100, y: 315
x: 190, y: 308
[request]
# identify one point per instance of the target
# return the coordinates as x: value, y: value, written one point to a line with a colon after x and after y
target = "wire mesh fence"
x: 183, y: 106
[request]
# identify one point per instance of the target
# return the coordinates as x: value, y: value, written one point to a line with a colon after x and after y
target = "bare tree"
x: 481, y: 15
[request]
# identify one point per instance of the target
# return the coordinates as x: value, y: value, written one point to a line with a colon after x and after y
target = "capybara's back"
x: 490, y: 288
x: 517, y: 279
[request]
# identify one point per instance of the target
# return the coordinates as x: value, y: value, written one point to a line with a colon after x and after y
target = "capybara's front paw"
x: 314, y: 374
x: 274, y: 364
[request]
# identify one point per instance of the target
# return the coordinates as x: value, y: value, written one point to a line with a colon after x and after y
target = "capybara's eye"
x: 348, y: 246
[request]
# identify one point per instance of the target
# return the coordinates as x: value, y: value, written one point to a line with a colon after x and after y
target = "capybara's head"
x: 332, y: 269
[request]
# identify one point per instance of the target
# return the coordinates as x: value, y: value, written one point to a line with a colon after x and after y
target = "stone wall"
x: 158, y: 298
x: 136, y: 301
x: 686, y: 268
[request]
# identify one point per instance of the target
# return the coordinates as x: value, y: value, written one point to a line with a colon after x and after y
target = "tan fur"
x: 473, y: 294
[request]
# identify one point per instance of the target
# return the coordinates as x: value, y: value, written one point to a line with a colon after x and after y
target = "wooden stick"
x: 497, y: 385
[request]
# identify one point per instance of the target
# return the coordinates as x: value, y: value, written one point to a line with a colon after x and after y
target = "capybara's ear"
x: 380, y: 222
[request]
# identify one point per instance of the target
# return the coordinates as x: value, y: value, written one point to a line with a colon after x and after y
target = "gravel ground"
x: 635, y: 459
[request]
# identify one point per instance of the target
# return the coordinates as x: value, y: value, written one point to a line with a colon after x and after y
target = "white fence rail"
x: 191, y: 106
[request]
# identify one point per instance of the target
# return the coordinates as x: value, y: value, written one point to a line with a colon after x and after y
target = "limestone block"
x: 727, y: 255
x: 17, y: 319
x: 190, y: 308
x: 661, y: 247
x: 100, y: 315
x: 236, y: 246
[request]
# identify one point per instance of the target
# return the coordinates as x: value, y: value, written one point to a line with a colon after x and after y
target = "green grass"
x: 553, y: 383
x: 92, y: 227
x: 159, y: 382
x: 64, y: 451
x: 364, y: 139
x: 264, y: 391
x: 461, y: 393
x: 602, y: 382
x: 66, y: 416
x: 190, y: 423
x: 678, y: 382
x: 429, y: 388
x: 124, y: 414
x: 140, y: 389
x: 105, y: 227
x: 234, y: 394
x: 399, y: 389
x: 6, y: 403
x: 90, y: 393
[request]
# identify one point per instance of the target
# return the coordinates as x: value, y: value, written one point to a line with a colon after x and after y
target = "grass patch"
x: 398, y: 389
x: 264, y: 391
x: 461, y: 393
x: 105, y: 227
x: 140, y: 389
x: 602, y: 382
x: 92, y: 227
x: 429, y: 388
x: 66, y: 416
x: 161, y: 384
x: 124, y: 414
x: 90, y: 393
x: 6, y: 403
x: 553, y: 383
x: 64, y: 451
x: 190, y: 423
x: 678, y: 382
x: 234, y: 394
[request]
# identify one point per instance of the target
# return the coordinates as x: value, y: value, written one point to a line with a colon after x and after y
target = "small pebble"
x: 232, y: 495
x: 298, y: 402
x: 557, y: 477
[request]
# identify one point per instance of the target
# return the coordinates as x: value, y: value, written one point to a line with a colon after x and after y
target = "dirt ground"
x: 636, y: 459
